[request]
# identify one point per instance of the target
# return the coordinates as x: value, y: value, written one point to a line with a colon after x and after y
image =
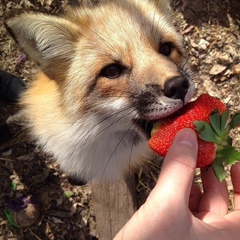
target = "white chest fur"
x: 103, y: 151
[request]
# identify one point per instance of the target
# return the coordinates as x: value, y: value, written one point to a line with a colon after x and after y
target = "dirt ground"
x: 63, y: 211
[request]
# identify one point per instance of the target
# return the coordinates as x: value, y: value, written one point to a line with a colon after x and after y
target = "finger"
x: 215, y: 196
x: 235, y: 174
x: 194, y: 199
x: 178, y: 168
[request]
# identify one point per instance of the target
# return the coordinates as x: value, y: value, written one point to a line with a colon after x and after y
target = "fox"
x: 107, y: 72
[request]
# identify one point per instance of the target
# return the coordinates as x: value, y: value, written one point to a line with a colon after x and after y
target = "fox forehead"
x: 118, y: 26
x: 116, y: 31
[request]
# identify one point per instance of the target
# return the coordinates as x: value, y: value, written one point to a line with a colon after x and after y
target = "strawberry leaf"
x: 235, y: 120
x: 229, y: 154
x: 199, y: 125
x: 206, y: 132
x: 215, y: 120
x: 224, y: 118
x: 229, y: 141
x: 218, y: 169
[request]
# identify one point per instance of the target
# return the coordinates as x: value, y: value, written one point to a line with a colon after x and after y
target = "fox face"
x: 107, y: 73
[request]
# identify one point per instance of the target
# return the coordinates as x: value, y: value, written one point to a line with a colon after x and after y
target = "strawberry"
x: 209, y: 118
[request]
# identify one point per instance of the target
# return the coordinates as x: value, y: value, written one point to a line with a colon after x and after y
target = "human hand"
x: 178, y: 210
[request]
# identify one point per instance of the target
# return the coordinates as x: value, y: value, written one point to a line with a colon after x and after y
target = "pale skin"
x: 176, y: 209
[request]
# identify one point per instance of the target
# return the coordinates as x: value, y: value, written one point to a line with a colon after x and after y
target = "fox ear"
x: 43, y: 37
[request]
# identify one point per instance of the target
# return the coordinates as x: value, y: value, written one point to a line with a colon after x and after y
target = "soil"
x: 63, y: 211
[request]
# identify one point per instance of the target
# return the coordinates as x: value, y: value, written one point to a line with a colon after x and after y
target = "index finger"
x: 235, y: 174
x: 215, y: 195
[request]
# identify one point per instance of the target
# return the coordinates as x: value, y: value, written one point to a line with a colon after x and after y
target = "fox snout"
x: 176, y: 88
x: 154, y: 101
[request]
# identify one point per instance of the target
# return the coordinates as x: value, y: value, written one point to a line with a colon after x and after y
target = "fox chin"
x: 107, y: 72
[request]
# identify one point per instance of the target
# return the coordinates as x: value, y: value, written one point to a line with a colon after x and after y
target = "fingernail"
x: 187, y: 137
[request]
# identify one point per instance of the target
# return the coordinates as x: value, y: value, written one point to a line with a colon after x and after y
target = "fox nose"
x: 176, y: 88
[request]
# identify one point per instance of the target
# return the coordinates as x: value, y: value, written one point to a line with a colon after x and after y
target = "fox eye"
x: 112, y: 71
x: 166, y: 48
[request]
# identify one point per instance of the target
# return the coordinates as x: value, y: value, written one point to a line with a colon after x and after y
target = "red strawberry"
x: 208, y: 116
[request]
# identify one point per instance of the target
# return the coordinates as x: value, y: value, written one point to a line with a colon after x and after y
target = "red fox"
x: 107, y: 72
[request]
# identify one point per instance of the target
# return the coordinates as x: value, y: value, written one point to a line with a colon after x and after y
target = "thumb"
x: 179, y: 167
x: 171, y: 193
